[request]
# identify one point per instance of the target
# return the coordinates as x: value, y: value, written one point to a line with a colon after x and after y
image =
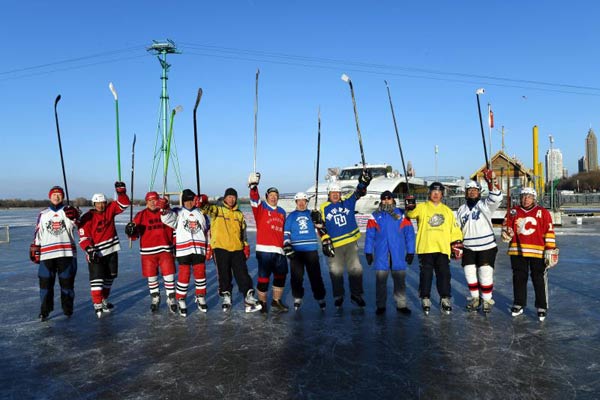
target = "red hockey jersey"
x: 98, y: 229
x: 533, y: 232
x: 270, y: 222
x: 155, y: 237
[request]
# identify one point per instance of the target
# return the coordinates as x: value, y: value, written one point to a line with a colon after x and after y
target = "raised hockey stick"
x: 198, y: 97
x: 132, y: 171
x: 478, y: 92
x: 62, y: 161
x: 347, y: 79
x: 255, y: 118
x: 397, y: 137
x: 318, y: 158
x: 114, y: 93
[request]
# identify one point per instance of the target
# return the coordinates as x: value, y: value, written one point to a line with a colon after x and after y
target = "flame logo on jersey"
x: 192, y: 226
x: 56, y: 226
x: 436, y: 220
x: 523, y: 228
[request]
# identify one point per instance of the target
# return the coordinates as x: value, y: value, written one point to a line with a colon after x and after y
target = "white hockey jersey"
x: 476, y: 223
x: 191, y: 230
x: 55, y: 233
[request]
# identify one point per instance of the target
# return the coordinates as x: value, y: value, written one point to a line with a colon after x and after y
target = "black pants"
x: 232, y: 263
x: 440, y: 263
x: 310, y: 260
x: 521, y: 266
x: 66, y: 269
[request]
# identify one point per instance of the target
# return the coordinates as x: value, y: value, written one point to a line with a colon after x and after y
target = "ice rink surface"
x: 308, y: 354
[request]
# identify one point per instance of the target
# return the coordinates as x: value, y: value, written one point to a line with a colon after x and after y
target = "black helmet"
x: 436, y: 186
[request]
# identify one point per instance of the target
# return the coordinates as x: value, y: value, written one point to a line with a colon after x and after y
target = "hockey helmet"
x: 436, y: 186
x: 528, y: 191
x: 300, y: 196
x: 98, y: 198
x: 334, y: 187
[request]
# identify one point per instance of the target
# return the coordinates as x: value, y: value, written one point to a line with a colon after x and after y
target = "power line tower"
x: 165, y: 119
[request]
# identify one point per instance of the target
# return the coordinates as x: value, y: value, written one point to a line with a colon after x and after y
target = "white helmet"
x: 98, y: 198
x: 300, y: 196
x: 334, y: 187
x: 472, y: 185
x: 528, y: 190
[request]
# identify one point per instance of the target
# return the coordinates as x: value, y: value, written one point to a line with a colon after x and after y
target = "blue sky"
x: 434, y: 54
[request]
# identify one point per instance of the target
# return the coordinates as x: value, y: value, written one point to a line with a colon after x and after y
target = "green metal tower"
x: 162, y: 145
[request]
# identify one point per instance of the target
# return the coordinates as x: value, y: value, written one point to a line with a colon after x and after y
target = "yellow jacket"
x: 437, y: 228
x: 227, y: 227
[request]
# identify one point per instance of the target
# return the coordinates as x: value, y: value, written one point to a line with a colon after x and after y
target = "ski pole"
x: 256, y: 118
x: 478, y: 92
x: 196, y: 141
x: 347, y: 79
x: 176, y: 110
x: 132, y: 170
x: 397, y: 136
x: 318, y: 157
x: 114, y: 93
x: 62, y: 161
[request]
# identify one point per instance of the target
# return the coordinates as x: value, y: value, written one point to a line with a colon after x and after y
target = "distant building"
x: 581, y: 165
x: 565, y: 173
x: 591, y: 151
x: 554, y: 165
x: 410, y: 171
x: 510, y: 172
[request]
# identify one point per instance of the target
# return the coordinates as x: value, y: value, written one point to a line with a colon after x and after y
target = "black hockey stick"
x: 62, y: 161
x: 132, y: 170
x: 318, y: 158
x: 198, y: 97
x: 346, y: 78
x: 397, y: 137
x: 477, y: 93
x: 256, y: 118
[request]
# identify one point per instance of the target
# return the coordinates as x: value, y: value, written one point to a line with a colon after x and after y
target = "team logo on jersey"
x: 303, y: 224
x: 436, y: 220
x: 192, y: 226
x: 56, y: 226
x: 526, y: 226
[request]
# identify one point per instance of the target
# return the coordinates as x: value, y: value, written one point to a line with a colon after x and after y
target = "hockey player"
x: 300, y: 246
x: 230, y: 248
x: 156, y: 250
x: 475, y: 218
x: 98, y: 238
x: 532, y: 249
x: 338, y: 215
x: 54, y: 249
x: 390, y: 244
x: 439, y: 238
x: 270, y: 220
x: 191, y: 231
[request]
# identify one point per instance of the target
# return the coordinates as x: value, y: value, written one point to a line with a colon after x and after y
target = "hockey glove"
x: 289, y: 250
x: 456, y: 249
x: 328, y: 248
x: 163, y: 204
x: 247, y: 250
x: 120, y: 187
x: 92, y: 254
x: 551, y: 257
x: 200, y: 201
x: 34, y: 253
x: 409, y: 258
x: 365, y: 177
x: 317, y: 219
x: 410, y: 203
x: 71, y: 212
x: 131, y: 230
x: 489, y: 177
x: 369, y: 258
x: 209, y: 252
x: 507, y: 234
x: 253, y: 180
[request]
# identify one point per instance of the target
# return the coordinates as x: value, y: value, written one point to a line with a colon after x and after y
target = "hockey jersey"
x: 98, y: 228
x: 191, y: 230
x: 155, y: 237
x: 340, y: 220
x: 533, y: 232
x: 390, y: 238
x: 299, y: 231
x: 270, y: 222
x: 476, y: 222
x: 437, y: 228
x: 228, y: 227
x: 55, y: 233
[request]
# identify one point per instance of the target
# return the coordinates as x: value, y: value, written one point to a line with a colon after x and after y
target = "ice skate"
x: 322, y: 304
x: 541, y: 314
x: 380, y: 311
x: 98, y: 310
x: 155, y: 302
x: 473, y: 304
x: 297, y: 304
x: 201, y: 303
x: 226, y: 304
x: 446, y: 306
x: 338, y: 302
x: 404, y: 310
x: 426, y: 305
x: 487, y: 306
x: 279, y: 306
x: 106, y: 306
x: 358, y: 300
x: 252, y: 305
x: 172, y: 303
x: 516, y: 310
x: 182, y: 307
x: 43, y: 317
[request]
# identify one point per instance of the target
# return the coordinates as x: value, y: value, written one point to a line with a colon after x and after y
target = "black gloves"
x: 369, y: 257
x: 409, y: 258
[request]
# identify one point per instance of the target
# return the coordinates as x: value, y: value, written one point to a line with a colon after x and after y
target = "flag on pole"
x: 490, y: 116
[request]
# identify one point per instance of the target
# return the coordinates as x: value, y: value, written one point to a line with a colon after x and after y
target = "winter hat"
x: 385, y: 194
x: 56, y: 189
x: 187, y: 195
x: 151, y: 196
x: 230, y: 192
x: 272, y: 190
